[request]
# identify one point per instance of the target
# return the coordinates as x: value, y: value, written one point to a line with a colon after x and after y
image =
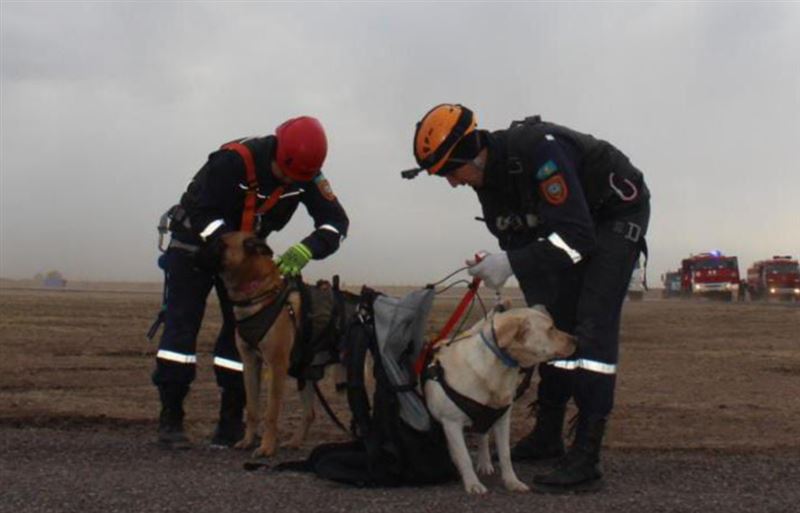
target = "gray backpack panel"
x: 400, y: 329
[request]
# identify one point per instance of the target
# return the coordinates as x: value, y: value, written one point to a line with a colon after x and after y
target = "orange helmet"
x: 438, y: 134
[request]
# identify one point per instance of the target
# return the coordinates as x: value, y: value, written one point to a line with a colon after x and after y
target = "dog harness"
x: 253, y: 328
x: 483, y: 417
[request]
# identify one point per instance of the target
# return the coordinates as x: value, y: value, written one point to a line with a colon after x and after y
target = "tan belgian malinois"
x: 256, y: 288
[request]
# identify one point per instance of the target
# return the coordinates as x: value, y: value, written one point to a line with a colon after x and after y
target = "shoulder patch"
x: 554, y: 190
x: 324, y: 187
x: 547, y: 169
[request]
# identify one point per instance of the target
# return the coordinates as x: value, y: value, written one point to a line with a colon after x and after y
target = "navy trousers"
x: 588, y: 303
x: 187, y: 288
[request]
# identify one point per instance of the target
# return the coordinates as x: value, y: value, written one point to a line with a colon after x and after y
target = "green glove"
x: 294, y: 259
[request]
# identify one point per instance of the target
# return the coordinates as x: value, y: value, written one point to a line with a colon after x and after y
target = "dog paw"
x: 244, y: 443
x: 293, y: 444
x: 262, y: 452
x: 485, y: 468
x: 515, y: 485
x: 475, y: 488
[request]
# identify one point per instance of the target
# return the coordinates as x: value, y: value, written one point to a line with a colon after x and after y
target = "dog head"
x: 247, y: 265
x: 529, y: 336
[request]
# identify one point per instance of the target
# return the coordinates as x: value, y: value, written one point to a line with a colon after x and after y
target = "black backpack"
x: 395, y: 444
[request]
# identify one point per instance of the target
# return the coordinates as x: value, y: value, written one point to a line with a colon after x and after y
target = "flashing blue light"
x: 716, y: 253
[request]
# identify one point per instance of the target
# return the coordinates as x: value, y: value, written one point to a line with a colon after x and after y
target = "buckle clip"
x: 634, y: 232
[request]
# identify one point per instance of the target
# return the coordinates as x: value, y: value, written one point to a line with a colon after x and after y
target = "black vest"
x: 510, y: 201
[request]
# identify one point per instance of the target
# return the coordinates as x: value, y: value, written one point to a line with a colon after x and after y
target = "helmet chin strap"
x: 479, y: 162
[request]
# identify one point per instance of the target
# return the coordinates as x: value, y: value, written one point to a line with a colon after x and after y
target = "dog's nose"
x: 569, y: 346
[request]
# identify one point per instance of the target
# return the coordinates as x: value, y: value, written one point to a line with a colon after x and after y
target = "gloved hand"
x: 294, y: 259
x: 494, y: 269
x: 209, y: 256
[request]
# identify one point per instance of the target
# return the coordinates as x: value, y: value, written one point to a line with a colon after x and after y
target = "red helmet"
x: 302, y: 147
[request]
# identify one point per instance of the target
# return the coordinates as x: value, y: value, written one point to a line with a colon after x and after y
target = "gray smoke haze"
x: 108, y: 110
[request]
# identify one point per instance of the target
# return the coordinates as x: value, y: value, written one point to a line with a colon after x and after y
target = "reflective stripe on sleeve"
x: 172, y: 356
x: 558, y: 242
x: 330, y: 228
x: 582, y: 363
x: 211, y: 228
x: 228, y: 364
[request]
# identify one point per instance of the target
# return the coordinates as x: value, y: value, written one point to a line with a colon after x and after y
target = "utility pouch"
x: 173, y: 220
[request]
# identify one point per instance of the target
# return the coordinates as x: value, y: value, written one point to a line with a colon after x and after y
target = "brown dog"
x: 254, y: 284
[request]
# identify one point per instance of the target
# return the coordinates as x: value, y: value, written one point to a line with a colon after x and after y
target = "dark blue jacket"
x: 214, y: 200
x: 546, y: 188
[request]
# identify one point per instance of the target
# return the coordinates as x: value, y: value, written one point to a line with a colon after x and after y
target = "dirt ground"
x: 707, y: 416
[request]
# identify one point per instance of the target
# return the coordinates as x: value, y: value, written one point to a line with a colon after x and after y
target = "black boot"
x: 170, y: 421
x: 579, y: 470
x: 544, y: 442
x: 230, y: 428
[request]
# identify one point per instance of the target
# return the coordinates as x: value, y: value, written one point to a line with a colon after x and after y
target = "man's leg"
x: 228, y: 369
x: 595, y: 363
x: 176, y: 359
x: 545, y: 441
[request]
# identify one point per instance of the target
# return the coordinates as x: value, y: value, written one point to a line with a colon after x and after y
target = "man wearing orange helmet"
x: 570, y: 213
x: 253, y: 184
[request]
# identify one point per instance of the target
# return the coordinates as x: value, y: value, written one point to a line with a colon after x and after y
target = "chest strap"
x: 483, y: 417
x: 253, y: 328
x: 251, y: 194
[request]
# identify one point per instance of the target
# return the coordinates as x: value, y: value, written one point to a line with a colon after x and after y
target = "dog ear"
x: 510, y: 328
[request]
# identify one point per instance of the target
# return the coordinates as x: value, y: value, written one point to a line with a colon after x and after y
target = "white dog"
x: 473, y: 381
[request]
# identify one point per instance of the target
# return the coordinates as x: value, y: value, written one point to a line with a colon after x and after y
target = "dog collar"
x: 499, y: 353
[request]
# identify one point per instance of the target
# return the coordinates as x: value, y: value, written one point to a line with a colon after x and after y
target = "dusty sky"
x: 108, y: 110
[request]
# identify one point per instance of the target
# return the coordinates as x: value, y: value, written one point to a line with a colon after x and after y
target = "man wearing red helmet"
x: 252, y: 184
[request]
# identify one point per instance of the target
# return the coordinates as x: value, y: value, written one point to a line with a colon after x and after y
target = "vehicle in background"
x: 638, y: 283
x: 778, y: 278
x: 710, y: 275
x: 672, y: 284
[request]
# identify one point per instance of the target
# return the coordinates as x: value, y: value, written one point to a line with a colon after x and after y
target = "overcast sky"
x: 109, y: 109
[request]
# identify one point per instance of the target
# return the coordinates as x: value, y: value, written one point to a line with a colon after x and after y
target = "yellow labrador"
x: 482, y: 365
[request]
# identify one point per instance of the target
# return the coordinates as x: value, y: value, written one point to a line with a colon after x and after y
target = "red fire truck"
x: 711, y: 275
x: 778, y: 278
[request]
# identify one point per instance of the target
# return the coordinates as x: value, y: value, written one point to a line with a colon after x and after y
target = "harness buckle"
x: 629, y: 230
x: 634, y: 232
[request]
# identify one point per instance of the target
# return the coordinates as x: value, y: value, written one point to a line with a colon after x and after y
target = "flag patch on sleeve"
x: 324, y: 187
x: 547, y: 169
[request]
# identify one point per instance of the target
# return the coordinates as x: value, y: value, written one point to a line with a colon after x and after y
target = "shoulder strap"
x: 522, y: 137
x: 251, y: 195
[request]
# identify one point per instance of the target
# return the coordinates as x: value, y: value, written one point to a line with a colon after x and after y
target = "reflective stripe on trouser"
x: 187, y: 291
x: 228, y: 366
x: 589, y: 304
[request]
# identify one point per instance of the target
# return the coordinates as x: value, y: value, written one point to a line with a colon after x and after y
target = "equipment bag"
x: 398, y: 443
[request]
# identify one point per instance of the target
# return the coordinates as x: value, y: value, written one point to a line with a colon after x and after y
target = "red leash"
x: 451, y: 322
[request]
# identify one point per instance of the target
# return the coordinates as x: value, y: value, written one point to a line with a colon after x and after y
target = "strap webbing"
x: 249, y: 211
x: 472, y: 290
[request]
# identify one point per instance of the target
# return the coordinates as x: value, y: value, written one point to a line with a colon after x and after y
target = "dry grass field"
x: 698, y: 379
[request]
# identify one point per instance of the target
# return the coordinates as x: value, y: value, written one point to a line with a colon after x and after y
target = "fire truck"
x: 710, y: 275
x: 778, y: 278
x: 672, y: 284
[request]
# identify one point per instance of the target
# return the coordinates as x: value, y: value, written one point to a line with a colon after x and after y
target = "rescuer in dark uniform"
x: 570, y: 213
x: 253, y: 184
